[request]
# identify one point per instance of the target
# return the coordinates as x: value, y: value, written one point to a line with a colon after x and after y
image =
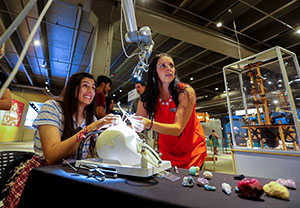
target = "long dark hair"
x: 149, y: 97
x: 69, y: 106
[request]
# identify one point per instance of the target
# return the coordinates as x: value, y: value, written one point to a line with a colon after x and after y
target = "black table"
x: 60, y: 186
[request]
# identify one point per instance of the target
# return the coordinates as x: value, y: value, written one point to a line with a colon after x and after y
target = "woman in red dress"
x: 168, y: 107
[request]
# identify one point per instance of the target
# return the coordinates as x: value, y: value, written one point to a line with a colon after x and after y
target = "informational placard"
x: 132, y: 94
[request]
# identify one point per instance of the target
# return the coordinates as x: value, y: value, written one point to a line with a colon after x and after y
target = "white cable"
x: 236, y: 35
x: 126, y: 116
x: 121, y: 32
x: 237, y: 39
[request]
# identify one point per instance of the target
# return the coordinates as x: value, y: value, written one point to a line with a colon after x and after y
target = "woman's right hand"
x: 139, y: 123
x: 105, y: 122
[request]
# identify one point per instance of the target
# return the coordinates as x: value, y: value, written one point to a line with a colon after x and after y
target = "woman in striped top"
x: 57, y: 122
x: 56, y: 137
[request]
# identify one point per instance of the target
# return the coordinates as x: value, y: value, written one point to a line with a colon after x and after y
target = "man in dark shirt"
x: 103, y: 87
x: 140, y: 88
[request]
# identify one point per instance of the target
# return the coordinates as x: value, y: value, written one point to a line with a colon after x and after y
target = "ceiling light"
x: 191, y: 78
x: 120, y: 90
x: 44, y: 64
x: 219, y: 24
x: 36, y: 42
x: 275, y: 101
x: 114, y: 95
x: 216, y: 88
x: 298, y: 31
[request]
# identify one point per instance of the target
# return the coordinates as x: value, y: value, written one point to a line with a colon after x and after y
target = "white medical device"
x: 120, y: 148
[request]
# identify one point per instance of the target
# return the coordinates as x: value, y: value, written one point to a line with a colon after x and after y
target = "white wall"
x: 270, y: 165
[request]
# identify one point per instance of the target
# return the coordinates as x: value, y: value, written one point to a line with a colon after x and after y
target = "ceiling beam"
x: 187, y: 32
x: 14, y: 43
x: 74, y: 41
x: 45, y: 48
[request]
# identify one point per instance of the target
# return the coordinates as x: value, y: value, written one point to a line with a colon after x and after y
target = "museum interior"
x: 233, y: 101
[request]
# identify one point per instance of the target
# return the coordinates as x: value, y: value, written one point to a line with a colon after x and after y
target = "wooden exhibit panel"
x: 284, y: 132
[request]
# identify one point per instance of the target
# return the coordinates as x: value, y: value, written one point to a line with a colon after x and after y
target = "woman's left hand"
x: 139, y: 123
x: 106, y: 122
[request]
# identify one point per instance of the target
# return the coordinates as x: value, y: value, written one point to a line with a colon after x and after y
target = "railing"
x: 12, y: 28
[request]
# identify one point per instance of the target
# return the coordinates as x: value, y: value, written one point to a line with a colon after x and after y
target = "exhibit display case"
x: 263, y: 100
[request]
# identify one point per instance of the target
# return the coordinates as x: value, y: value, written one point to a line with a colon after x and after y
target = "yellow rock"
x: 277, y: 190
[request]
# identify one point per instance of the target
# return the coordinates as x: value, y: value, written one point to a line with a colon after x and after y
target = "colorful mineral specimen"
x: 194, y: 170
x: 289, y: 183
x: 277, y: 190
x: 202, y: 182
x: 188, y: 181
x: 250, y: 188
x: 209, y: 188
x: 208, y: 175
x: 226, y: 188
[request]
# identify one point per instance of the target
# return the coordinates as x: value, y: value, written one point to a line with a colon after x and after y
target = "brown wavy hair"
x: 149, y: 97
x: 69, y: 104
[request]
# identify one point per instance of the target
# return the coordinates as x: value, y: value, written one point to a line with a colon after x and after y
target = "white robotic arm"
x: 142, y: 37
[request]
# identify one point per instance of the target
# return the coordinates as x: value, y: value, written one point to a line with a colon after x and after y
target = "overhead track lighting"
x: 44, y: 64
x: 36, y: 42
x: 219, y: 24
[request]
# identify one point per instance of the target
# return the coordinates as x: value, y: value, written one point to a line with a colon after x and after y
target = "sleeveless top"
x: 188, y: 149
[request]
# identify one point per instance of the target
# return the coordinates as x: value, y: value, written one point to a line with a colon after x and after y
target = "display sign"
x: 14, y: 115
x: 132, y: 94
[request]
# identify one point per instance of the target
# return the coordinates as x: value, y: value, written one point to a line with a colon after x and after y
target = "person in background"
x: 5, y: 100
x: 60, y: 126
x: 104, y: 84
x: 172, y: 105
x: 214, y: 141
x: 109, y: 105
x: 140, y: 88
x: 229, y: 138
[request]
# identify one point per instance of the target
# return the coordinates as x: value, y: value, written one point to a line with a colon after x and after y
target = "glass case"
x: 263, y: 100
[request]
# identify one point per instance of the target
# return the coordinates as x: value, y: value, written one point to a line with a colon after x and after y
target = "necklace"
x: 167, y: 102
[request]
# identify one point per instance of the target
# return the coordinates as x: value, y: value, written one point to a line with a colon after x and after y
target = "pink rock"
x: 289, y: 183
x: 250, y: 188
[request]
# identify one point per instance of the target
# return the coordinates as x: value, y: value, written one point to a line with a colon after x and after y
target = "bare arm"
x: 141, y: 111
x: 184, y: 111
x: 5, y: 101
x: 54, y: 149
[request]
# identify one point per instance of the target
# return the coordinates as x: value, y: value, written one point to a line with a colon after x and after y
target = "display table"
x: 60, y: 186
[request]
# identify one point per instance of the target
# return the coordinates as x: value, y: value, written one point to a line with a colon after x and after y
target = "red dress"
x: 186, y: 150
